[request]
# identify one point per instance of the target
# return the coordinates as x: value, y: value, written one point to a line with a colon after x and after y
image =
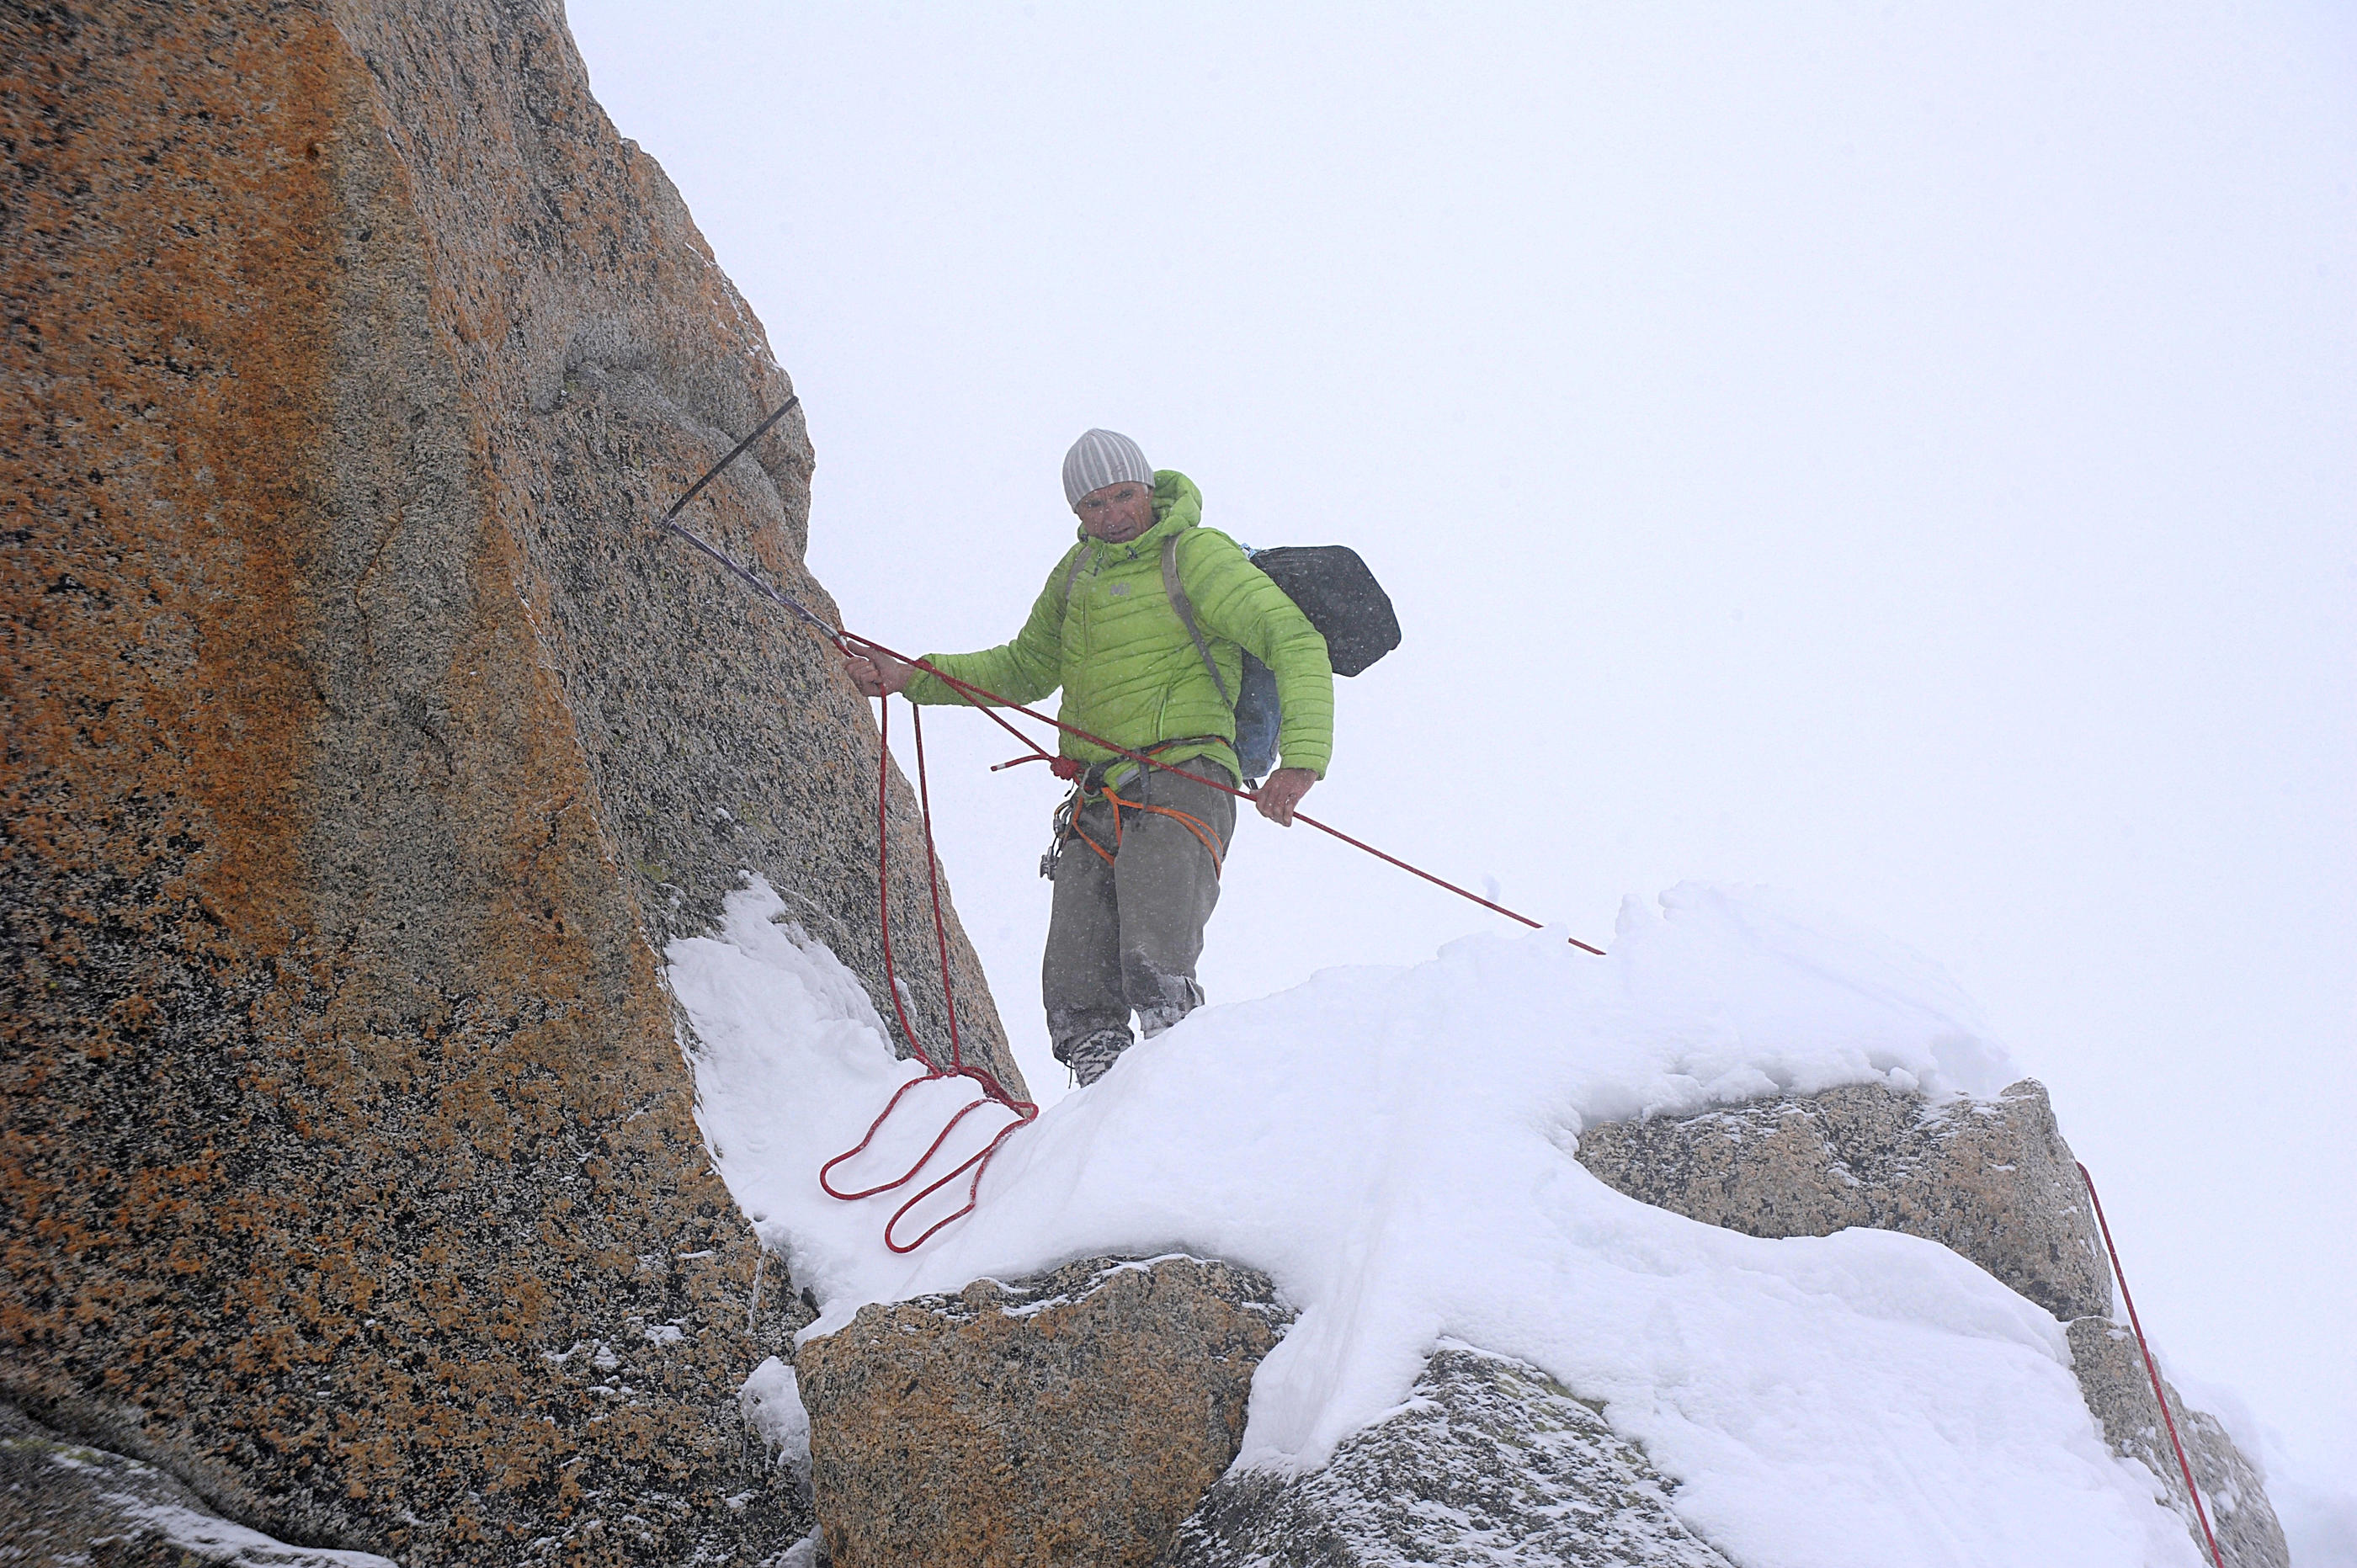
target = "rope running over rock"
x: 2152, y: 1370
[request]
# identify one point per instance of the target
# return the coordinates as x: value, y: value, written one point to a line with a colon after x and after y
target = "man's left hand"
x: 1283, y: 791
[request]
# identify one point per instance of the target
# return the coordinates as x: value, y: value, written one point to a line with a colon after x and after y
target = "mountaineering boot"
x: 1092, y: 1057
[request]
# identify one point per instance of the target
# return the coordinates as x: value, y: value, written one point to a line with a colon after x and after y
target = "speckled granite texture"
x: 1492, y: 1464
x: 363, y: 745
x: 64, y: 1503
x: 1075, y: 1418
x: 1990, y: 1179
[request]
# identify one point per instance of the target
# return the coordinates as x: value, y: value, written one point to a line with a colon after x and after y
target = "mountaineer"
x: 1143, y: 623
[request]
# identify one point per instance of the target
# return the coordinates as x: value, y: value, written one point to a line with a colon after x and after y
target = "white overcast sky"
x: 1899, y: 454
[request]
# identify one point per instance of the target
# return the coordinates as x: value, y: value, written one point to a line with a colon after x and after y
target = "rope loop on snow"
x: 991, y: 1091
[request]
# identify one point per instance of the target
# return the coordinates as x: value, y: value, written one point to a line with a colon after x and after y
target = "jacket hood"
x: 1101, y: 631
x: 1178, y: 506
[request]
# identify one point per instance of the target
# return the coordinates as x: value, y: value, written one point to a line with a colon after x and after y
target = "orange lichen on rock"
x: 363, y: 748
x: 1076, y: 1417
x: 162, y: 411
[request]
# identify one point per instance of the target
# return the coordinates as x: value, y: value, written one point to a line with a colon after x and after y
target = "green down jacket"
x: 1128, y: 669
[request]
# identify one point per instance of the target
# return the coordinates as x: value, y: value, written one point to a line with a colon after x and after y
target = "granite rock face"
x: 1991, y: 1180
x: 1075, y: 1418
x: 362, y: 745
x: 1492, y: 1463
x: 2119, y: 1392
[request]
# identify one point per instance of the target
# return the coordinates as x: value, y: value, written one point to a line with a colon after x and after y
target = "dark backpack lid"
x: 1340, y: 598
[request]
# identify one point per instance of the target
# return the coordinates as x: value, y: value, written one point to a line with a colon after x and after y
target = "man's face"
x: 1117, y: 513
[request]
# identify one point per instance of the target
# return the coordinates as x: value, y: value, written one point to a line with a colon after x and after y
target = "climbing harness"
x: 2152, y: 1370
x: 1066, y: 823
x: 991, y: 1091
x: 986, y: 701
x: 1203, y: 832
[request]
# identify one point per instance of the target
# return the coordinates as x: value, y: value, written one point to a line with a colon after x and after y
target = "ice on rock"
x: 771, y: 1399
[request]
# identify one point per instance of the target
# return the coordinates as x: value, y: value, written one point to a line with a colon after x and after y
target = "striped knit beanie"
x: 1099, y: 458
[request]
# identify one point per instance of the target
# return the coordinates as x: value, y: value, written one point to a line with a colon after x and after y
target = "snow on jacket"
x: 1128, y: 669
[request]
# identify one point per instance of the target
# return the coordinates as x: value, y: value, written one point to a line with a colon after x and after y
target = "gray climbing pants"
x: 1124, y: 936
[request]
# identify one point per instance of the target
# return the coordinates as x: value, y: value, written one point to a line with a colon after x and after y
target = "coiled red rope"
x: 993, y: 1092
x: 2152, y: 1370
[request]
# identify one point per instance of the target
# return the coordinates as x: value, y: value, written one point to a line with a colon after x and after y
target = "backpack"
x: 1343, y: 600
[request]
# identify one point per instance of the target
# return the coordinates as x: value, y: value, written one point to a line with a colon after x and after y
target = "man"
x: 1138, y: 849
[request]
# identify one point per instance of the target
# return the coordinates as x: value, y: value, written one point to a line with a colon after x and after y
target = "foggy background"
x: 1903, y: 455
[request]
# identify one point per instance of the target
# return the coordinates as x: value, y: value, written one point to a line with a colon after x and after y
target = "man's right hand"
x: 876, y: 673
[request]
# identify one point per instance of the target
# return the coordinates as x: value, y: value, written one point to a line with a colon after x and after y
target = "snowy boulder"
x: 1989, y: 1179
x: 2119, y: 1393
x: 1490, y: 1461
x: 1073, y: 1417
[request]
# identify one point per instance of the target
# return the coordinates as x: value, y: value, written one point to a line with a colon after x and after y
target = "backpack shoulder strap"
x: 1186, y: 609
x: 1081, y: 558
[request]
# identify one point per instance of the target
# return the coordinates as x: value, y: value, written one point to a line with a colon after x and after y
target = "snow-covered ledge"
x: 1395, y: 1148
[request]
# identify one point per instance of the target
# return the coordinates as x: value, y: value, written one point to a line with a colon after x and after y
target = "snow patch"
x: 1392, y: 1145
x: 772, y: 1403
x: 187, y: 1529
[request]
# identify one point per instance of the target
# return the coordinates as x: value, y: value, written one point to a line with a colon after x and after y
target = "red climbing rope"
x: 993, y: 1092
x: 2153, y: 1371
x: 985, y: 700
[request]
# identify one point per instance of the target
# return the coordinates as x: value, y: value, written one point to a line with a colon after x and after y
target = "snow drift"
x: 1393, y: 1146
